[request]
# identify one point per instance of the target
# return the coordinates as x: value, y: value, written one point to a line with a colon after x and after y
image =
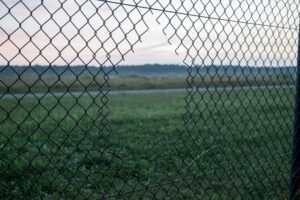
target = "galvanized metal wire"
x: 221, y: 152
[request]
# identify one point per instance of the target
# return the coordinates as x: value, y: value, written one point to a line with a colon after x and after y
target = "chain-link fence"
x: 64, y: 135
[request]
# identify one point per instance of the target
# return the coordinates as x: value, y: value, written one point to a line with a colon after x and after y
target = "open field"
x: 54, y: 84
x: 60, y: 79
x: 238, y: 141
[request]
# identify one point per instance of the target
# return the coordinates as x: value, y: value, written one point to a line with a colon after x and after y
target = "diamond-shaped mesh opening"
x: 229, y: 137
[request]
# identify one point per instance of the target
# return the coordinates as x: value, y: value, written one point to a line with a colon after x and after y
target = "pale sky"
x: 210, y: 41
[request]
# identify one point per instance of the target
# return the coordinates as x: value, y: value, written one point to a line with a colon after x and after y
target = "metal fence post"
x: 295, y: 170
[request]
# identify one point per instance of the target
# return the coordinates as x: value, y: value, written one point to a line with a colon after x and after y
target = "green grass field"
x: 236, y: 144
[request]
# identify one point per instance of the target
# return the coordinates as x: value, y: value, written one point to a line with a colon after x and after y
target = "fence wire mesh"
x: 231, y: 138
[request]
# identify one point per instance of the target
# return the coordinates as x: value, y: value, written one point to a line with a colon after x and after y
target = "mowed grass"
x: 232, y: 144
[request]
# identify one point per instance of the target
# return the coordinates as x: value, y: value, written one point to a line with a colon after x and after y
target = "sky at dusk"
x: 84, y: 32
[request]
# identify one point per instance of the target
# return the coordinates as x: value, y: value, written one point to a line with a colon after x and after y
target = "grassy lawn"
x: 233, y: 144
